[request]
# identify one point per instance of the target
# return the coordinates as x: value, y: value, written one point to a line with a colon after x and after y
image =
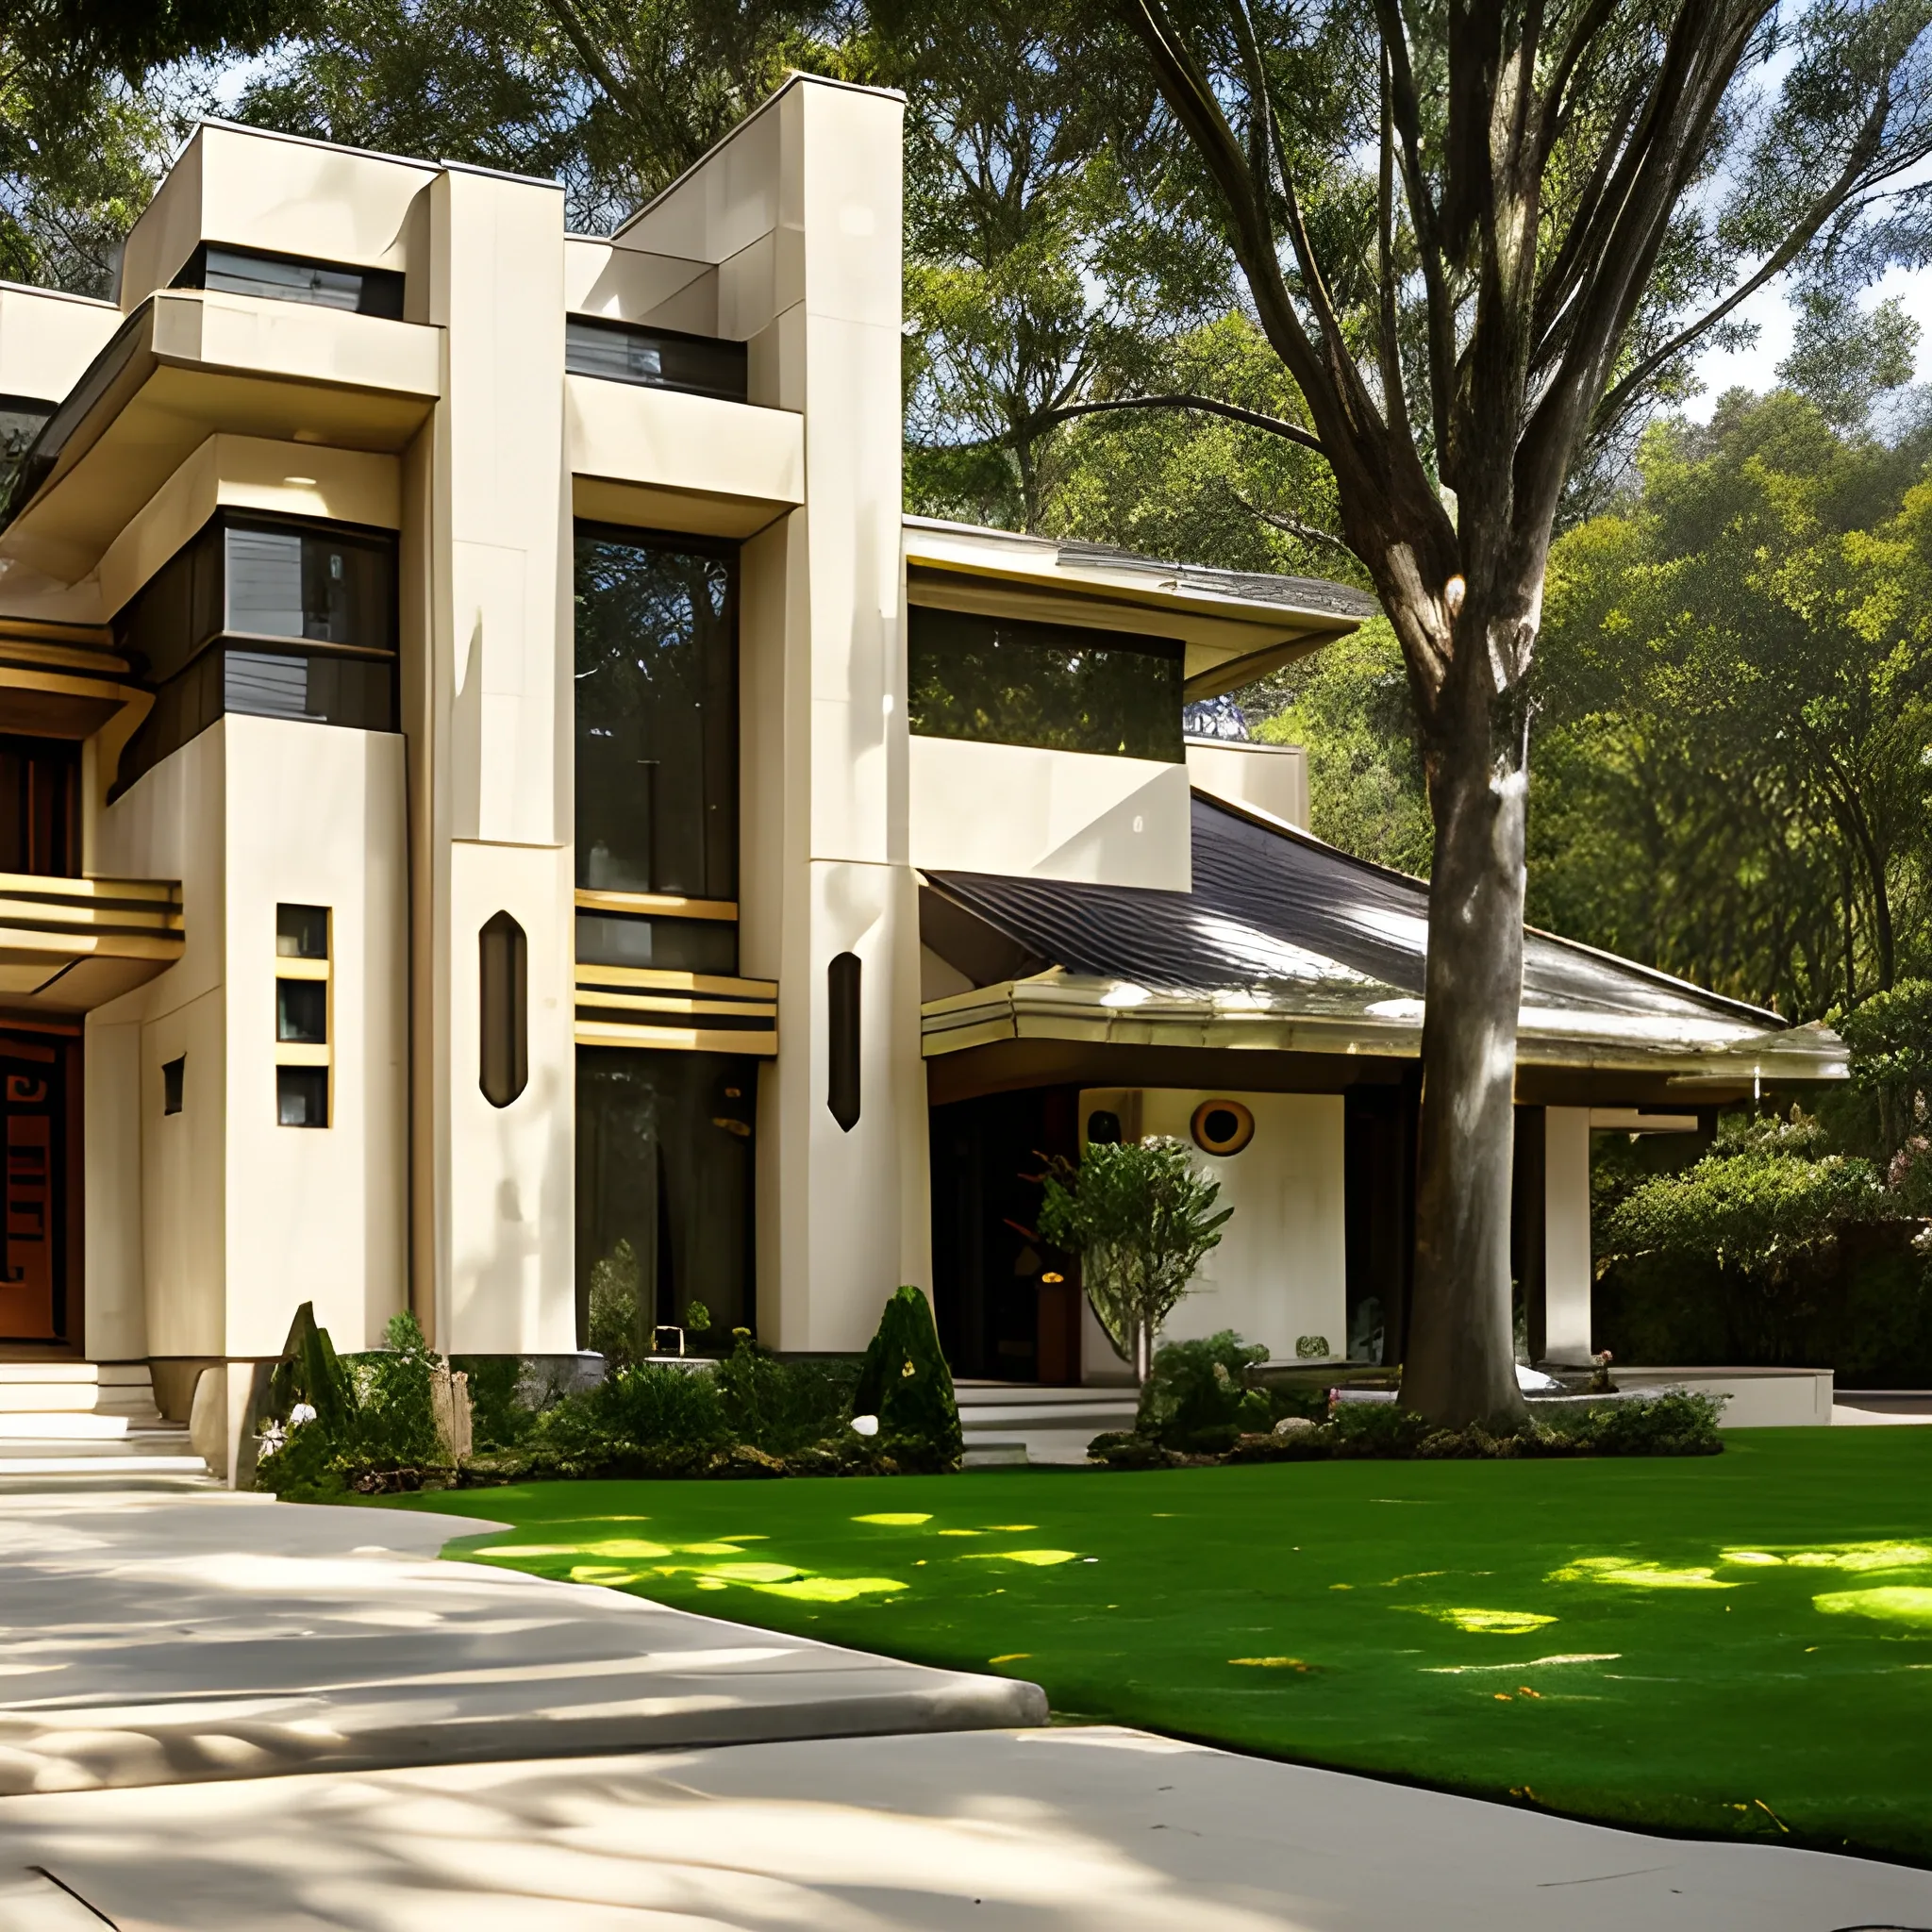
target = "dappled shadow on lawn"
x: 1738, y: 1645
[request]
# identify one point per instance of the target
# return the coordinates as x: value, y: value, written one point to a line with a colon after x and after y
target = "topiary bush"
x: 905, y: 1382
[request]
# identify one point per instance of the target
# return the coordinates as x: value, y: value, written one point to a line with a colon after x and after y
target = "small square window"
x: 302, y: 1010
x: 302, y: 1096
x: 171, y: 1073
x: 302, y: 932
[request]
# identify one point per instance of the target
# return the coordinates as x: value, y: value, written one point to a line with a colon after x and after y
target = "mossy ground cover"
x: 1735, y: 1645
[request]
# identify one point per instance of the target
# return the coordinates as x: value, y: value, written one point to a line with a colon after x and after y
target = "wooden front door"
x: 39, y: 1251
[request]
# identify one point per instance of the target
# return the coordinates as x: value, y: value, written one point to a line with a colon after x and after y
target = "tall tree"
x: 85, y: 122
x: 1039, y: 273
x: 1737, y: 684
x: 614, y: 97
x: 1479, y: 234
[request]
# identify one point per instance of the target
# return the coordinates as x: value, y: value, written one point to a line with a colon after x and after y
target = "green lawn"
x: 1727, y: 1645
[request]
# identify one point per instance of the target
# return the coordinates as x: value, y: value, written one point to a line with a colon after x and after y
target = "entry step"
x: 120, y: 1390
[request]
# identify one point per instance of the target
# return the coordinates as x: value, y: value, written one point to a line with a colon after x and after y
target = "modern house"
x: 491, y: 774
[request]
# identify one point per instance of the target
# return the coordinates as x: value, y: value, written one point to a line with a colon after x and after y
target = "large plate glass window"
x: 656, y: 715
x: 270, y: 617
x: 1062, y: 687
x: 664, y: 1192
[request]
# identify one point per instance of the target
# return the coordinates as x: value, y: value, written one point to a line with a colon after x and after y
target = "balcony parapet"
x: 71, y: 944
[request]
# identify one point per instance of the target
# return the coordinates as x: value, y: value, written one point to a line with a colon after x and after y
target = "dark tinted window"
x: 1062, y: 687
x: 674, y: 946
x: 302, y: 1096
x: 664, y: 1188
x: 330, y: 592
x: 174, y: 1079
x: 323, y: 586
x: 504, y: 977
x: 289, y: 278
x: 302, y: 1012
x: 39, y: 805
x: 657, y: 716
x: 657, y: 358
x: 302, y: 932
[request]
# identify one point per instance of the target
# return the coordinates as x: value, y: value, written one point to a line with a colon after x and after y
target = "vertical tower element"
x: 802, y: 213
x: 490, y: 779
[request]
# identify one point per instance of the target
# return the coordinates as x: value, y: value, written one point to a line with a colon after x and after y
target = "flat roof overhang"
x: 656, y: 459
x: 187, y: 364
x: 68, y: 945
x: 1056, y: 1027
x: 1230, y: 641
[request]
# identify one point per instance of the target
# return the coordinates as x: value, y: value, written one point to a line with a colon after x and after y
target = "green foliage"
x: 783, y: 1408
x: 498, y: 1419
x: 1890, y: 1036
x: 1140, y: 1216
x: 374, y: 1413
x: 616, y: 1314
x: 615, y: 100
x: 905, y: 1382
x: 394, y: 1424
x: 1348, y: 706
x: 1761, y: 1199
x: 1736, y: 682
x: 1197, y: 1398
x: 1674, y: 1423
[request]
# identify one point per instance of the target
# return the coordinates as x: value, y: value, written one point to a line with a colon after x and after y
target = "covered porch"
x: 1271, y: 1016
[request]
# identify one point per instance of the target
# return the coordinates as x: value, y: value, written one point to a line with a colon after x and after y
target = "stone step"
x: 161, y: 1451
x: 123, y: 1390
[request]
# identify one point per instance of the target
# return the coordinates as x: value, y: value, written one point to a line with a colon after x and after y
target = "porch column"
x: 1567, y: 1271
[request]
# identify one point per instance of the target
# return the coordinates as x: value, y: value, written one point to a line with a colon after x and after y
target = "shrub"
x: 616, y: 1316
x: 1197, y: 1398
x: 905, y: 1382
x: 1140, y: 1216
x: 1674, y: 1423
x: 782, y: 1407
x: 498, y: 1419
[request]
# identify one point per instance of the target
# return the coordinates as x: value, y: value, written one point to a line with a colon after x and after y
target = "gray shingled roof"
x: 1300, y: 593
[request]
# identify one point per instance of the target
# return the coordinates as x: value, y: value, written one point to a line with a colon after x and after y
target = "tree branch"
x: 1252, y: 419
x: 1793, y: 245
x: 1293, y: 527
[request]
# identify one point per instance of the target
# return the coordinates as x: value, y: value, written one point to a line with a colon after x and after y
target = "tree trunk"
x: 1460, y: 1362
x: 1143, y: 1350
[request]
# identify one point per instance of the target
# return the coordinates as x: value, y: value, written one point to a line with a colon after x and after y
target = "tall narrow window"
x: 174, y: 1079
x: 504, y: 966
x: 656, y: 717
x: 841, y: 1040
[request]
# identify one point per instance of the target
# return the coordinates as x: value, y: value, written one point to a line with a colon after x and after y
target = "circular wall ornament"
x: 1221, y: 1126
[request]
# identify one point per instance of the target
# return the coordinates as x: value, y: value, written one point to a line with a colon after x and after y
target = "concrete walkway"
x: 155, y: 1639
x: 1065, y: 1831
x: 180, y: 1647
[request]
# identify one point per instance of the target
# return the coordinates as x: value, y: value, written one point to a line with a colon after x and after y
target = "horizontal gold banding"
x: 134, y: 919
x: 657, y: 904
x: 300, y: 969
x: 631, y: 977
x: 290, y: 1053
x: 34, y: 885
x: 679, y: 1039
x: 675, y: 1003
